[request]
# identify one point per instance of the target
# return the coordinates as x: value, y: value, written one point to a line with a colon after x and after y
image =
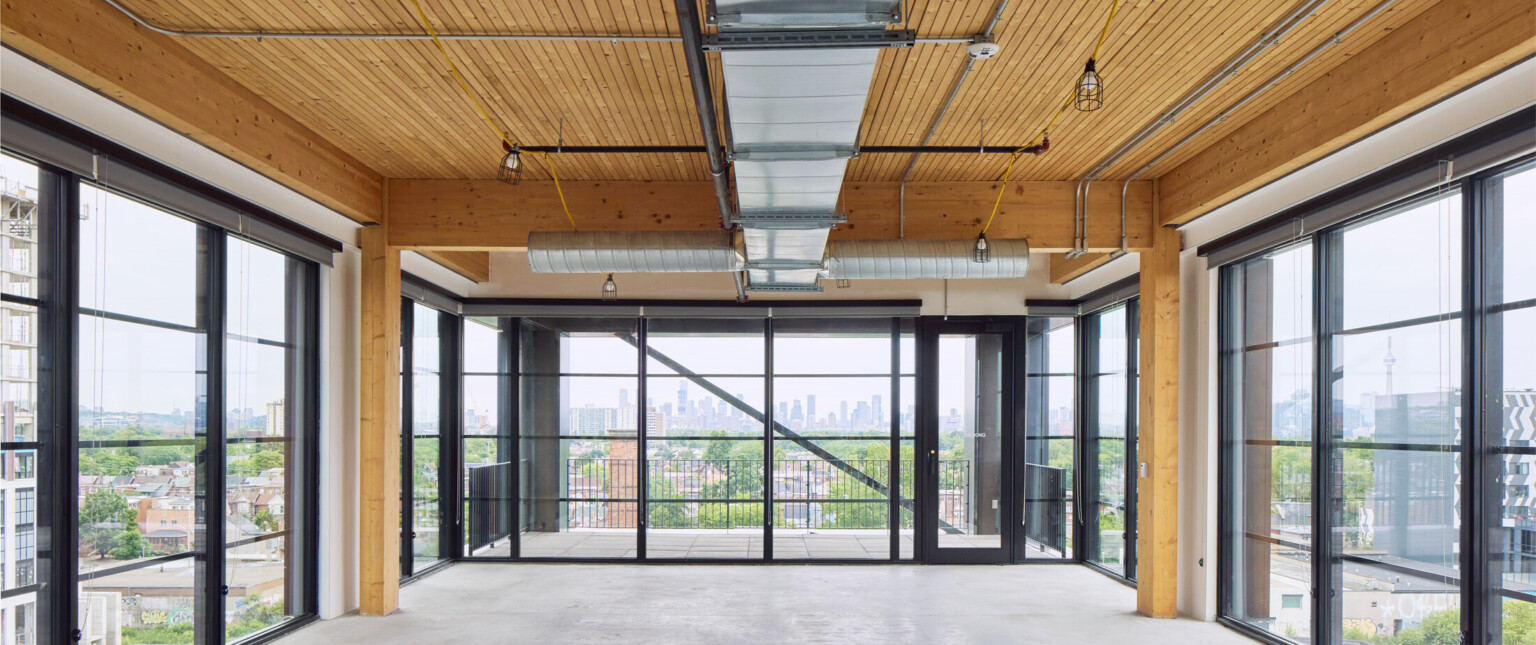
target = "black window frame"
x: 56, y: 430
x: 1480, y: 448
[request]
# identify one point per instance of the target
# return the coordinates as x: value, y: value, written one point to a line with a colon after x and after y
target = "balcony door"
x: 965, y: 442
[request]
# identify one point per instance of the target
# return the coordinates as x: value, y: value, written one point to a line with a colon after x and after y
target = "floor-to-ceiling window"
x: 708, y: 451
x: 580, y: 472
x: 1509, y: 395
x: 22, y: 421
x: 428, y: 407
x: 1109, y: 438
x: 194, y: 445
x: 1266, y: 355
x: 1365, y: 450
x: 147, y: 494
x: 269, y: 391
x: 1050, y: 436
x: 487, y: 441
x: 726, y: 474
x: 158, y: 364
x: 833, y: 451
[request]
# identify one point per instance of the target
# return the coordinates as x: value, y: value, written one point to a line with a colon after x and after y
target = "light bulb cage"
x: 1090, y: 89
x: 511, y: 169
x: 982, y: 253
x: 610, y: 289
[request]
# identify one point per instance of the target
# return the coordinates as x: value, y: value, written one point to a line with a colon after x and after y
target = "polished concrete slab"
x: 711, y: 604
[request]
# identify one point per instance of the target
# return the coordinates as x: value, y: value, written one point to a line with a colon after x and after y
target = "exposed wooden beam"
x: 1157, y: 511
x: 1441, y: 51
x: 1064, y: 270
x: 475, y: 265
x: 379, y: 411
x: 488, y: 215
x: 151, y: 73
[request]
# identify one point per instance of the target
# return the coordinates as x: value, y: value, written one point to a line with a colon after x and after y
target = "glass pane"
x: 706, y: 470
x: 19, y: 258
x: 258, y: 577
x: 831, y: 406
x: 1517, y: 235
x: 857, y: 346
x: 1399, y: 530
x: 1050, y: 429
x: 151, y: 605
x: 482, y: 346
x: 1401, y: 385
x: 970, y: 441
x: 426, y: 352
x: 833, y: 503
x: 141, y: 418
x: 488, y: 501
x: 482, y: 400
x: 1268, y: 368
x: 264, y: 353
x: 579, y: 454
x: 1404, y: 266
x: 579, y: 346
x: 137, y: 260
x: 705, y: 346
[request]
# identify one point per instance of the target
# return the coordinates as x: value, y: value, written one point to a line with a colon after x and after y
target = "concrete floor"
x: 708, y: 604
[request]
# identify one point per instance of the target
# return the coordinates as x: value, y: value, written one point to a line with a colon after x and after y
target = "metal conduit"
x: 1270, y: 38
x: 1337, y: 39
x: 347, y: 35
x: 704, y: 101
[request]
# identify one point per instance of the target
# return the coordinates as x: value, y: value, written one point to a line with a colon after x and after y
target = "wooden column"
x: 379, y: 403
x: 1157, y: 539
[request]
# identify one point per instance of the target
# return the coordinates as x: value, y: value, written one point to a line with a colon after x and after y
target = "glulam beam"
x: 487, y: 215
x: 103, y: 49
x: 1443, y: 50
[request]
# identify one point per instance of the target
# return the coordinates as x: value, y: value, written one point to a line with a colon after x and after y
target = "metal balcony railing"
x: 729, y: 493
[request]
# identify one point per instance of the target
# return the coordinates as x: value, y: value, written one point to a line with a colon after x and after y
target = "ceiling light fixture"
x: 610, y: 290
x: 982, y: 254
x: 1090, y: 89
x: 511, y: 169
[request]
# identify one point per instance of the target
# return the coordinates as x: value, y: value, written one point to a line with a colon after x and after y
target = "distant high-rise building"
x: 879, y: 411
x: 798, y: 414
x: 842, y: 416
x: 682, y: 398
x: 810, y: 406
x: 623, y: 398
x: 275, y: 412
x: 783, y: 411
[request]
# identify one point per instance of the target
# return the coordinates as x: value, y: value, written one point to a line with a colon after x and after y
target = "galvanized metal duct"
x: 633, y: 252
x: 910, y: 259
x: 794, y: 118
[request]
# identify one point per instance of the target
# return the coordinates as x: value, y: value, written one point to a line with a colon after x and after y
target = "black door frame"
x: 926, y: 521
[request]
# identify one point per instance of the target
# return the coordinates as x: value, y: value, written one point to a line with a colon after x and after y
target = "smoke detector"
x: 982, y: 48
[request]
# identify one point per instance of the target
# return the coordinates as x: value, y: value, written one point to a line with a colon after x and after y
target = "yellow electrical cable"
x: 463, y: 85
x: 1112, y: 10
x: 484, y: 114
x: 1115, y: 8
x: 559, y: 192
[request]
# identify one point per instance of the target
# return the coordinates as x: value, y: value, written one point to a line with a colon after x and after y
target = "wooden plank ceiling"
x: 393, y: 106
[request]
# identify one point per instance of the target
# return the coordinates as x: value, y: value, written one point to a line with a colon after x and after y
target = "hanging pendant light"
x: 982, y: 254
x: 1090, y: 89
x: 610, y: 290
x: 511, y: 169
